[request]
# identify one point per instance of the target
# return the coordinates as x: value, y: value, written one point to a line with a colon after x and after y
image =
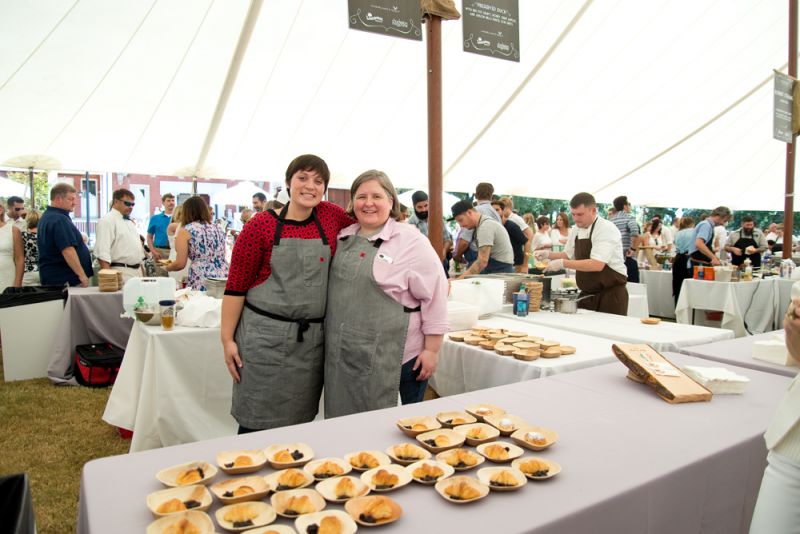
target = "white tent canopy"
x: 240, y: 194
x: 611, y: 96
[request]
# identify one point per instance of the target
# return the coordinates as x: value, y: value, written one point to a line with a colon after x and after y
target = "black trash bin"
x: 20, y: 296
x: 16, y: 508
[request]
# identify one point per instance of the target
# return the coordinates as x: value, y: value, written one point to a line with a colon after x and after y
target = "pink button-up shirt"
x: 408, y: 270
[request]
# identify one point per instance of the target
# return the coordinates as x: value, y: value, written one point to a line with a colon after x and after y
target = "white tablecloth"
x: 659, y: 292
x: 783, y: 286
x: 748, y: 307
x: 631, y: 462
x: 465, y: 367
x: 739, y: 352
x: 173, y: 388
x: 663, y: 336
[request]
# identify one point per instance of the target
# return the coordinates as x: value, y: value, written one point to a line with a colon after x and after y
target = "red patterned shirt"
x: 250, y: 262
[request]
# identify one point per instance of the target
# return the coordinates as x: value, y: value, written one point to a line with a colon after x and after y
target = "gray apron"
x: 280, y: 335
x: 365, y: 333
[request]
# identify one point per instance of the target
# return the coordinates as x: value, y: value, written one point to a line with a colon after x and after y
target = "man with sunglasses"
x: 118, y: 245
x: 16, y: 211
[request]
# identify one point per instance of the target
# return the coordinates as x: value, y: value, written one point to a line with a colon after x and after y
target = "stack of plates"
x: 109, y: 280
x: 534, y: 290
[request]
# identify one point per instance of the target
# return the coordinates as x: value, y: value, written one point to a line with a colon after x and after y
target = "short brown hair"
x: 165, y: 196
x: 32, y: 219
x: 484, y: 191
x: 582, y: 199
x: 500, y: 202
x: 61, y: 190
x: 384, y: 182
x: 509, y: 202
x: 721, y: 211
x: 195, y: 209
x: 120, y: 194
x: 541, y: 221
x: 308, y: 162
x: 686, y: 222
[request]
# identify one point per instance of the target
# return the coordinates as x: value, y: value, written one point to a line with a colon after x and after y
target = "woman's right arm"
x: 231, y: 313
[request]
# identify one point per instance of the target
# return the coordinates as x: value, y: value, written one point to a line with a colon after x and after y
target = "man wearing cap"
x: 594, y: 250
x: 420, y: 219
x: 495, y: 254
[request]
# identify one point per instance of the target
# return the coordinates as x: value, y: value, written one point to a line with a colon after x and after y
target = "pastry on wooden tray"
x: 496, y: 452
x: 290, y: 479
x: 503, y: 478
x: 299, y: 505
x: 377, y: 510
x: 241, y: 515
x: 428, y: 473
x: 364, y: 460
x: 383, y: 480
x: 462, y: 491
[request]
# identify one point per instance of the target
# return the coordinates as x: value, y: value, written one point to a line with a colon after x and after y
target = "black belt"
x: 115, y: 264
x: 304, y: 323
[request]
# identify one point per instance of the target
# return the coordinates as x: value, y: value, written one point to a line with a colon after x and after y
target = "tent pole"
x: 86, y: 192
x: 434, y: 66
x: 194, y: 185
x: 788, y: 207
x: 33, y: 195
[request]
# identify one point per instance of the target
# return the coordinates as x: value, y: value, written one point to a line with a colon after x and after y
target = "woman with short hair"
x: 387, y: 306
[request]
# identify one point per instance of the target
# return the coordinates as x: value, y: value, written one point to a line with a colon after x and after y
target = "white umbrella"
x: 11, y: 188
x: 240, y: 194
x: 447, y: 201
x: 40, y: 162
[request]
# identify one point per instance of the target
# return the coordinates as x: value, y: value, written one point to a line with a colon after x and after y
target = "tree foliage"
x: 41, y: 188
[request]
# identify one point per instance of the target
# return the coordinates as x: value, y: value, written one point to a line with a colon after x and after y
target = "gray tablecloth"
x: 89, y: 317
x: 659, y: 292
x: 631, y: 462
x: 739, y: 352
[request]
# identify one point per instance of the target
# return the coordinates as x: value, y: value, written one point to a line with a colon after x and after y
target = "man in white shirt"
x: 16, y: 212
x: 772, y: 233
x: 594, y: 250
x: 668, y: 236
x: 118, y: 244
x: 509, y: 214
x: 465, y: 247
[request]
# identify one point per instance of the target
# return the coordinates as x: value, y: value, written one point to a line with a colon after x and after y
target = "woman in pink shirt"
x: 387, y: 306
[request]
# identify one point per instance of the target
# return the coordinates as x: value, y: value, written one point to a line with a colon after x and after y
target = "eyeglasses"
x: 19, y: 209
x: 129, y: 203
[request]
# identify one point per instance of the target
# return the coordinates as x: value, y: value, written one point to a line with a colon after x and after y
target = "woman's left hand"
x: 427, y: 360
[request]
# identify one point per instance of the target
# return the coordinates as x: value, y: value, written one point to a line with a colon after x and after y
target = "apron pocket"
x: 313, y: 273
x: 355, y: 350
x: 346, y: 265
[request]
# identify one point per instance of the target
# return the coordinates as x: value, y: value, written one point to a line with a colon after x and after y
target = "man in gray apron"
x: 365, y: 333
x: 597, y: 258
x: 280, y: 336
x: 746, y: 242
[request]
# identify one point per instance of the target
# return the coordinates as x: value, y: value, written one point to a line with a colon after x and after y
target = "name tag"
x: 384, y: 257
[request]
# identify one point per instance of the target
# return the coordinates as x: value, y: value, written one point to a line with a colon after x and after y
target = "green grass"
x: 49, y: 432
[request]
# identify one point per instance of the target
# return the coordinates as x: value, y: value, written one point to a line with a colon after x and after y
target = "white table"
x: 659, y: 292
x: 663, y: 336
x: 464, y: 368
x: 783, y: 287
x: 173, y: 388
x: 623, y: 468
x: 739, y: 352
x: 748, y: 307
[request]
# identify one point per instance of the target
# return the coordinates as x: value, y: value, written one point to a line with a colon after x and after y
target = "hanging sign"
x: 491, y: 28
x: 395, y: 18
x: 782, y: 105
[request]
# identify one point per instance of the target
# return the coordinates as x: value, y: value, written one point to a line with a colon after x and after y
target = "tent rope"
x: 169, y: 84
x: 103, y: 77
x: 522, y: 85
x: 694, y: 132
x: 41, y: 43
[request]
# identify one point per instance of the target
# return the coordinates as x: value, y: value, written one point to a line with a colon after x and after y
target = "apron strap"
x: 377, y: 243
x: 322, y: 235
x: 304, y: 323
x: 406, y: 309
x: 282, y: 219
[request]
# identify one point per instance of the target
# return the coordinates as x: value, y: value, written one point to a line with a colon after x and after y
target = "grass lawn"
x: 49, y: 432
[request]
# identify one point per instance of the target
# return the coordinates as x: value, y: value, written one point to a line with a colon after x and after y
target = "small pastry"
x: 184, y: 526
x: 438, y: 441
x: 330, y: 524
x: 377, y: 510
x: 428, y: 473
x: 239, y: 492
x: 299, y: 505
x: 241, y: 515
x: 383, y: 480
x: 503, y: 479
x: 457, y: 421
x: 363, y: 460
x: 290, y: 479
x: 190, y: 476
x: 328, y: 469
x: 345, y: 489
x: 461, y: 458
x: 483, y: 411
x: 461, y: 491
x: 536, y: 438
x: 475, y: 433
x: 171, y: 506
x: 240, y: 461
x: 285, y: 456
x: 407, y: 452
x: 194, y: 499
x: 505, y: 425
x: 534, y: 468
x: 496, y: 452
